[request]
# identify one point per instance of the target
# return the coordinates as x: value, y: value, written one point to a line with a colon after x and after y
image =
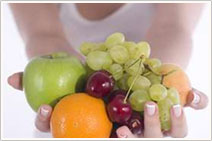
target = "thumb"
x: 124, y: 132
x: 15, y: 80
x: 197, y: 99
x: 42, y: 121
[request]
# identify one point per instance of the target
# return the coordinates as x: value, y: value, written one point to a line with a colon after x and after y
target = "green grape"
x: 119, y: 54
x: 122, y: 82
x: 137, y: 50
x: 141, y: 82
x: 100, y: 47
x: 106, y: 68
x: 132, y: 67
x: 114, y: 39
x: 89, y: 71
x: 173, y: 95
x: 116, y: 70
x: 97, y: 60
x: 146, y: 71
x: 157, y: 92
x: 128, y: 44
x: 154, y: 78
x: 164, y: 113
x: 144, y: 48
x: 87, y: 47
x: 115, y: 87
x: 133, y: 50
x: 154, y: 64
x: 138, y: 98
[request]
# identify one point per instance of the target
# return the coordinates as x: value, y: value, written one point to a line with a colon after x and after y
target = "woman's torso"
x: 131, y: 19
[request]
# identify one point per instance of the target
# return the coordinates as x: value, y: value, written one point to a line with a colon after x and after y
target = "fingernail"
x: 9, y: 79
x: 150, y: 109
x: 196, y: 99
x: 122, y: 136
x: 177, y: 110
x: 44, y: 112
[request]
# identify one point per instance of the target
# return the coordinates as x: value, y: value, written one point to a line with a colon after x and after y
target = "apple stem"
x: 59, y: 55
x: 128, y: 92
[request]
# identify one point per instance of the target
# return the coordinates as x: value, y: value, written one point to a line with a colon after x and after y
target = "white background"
x: 18, y: 118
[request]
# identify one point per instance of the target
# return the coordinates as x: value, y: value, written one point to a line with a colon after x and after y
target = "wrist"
x: 169, y: 28
x: 170, y: 45
x: 45, y: 44
x: 167, y: 31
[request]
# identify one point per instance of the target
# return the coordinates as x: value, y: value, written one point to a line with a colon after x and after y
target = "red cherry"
x: 100, y: 84
x: 116, y: 92
x: 119, y: 111
x: 136, y: 123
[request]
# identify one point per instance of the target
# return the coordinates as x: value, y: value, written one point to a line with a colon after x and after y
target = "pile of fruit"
x: 118, y: 73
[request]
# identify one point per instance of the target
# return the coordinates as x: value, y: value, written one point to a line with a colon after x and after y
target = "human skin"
x: 43, y: 34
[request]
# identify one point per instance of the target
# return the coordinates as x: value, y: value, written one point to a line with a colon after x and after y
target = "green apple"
x: 47, y: 79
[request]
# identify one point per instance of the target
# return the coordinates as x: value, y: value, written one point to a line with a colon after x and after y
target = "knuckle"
x: 152, y: 123
x: 41, y: 127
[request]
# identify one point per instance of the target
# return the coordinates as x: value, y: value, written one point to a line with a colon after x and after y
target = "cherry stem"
x: 128, y: 92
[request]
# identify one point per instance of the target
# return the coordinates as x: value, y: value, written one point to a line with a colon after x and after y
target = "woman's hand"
x: 42, y: 121
x: 37, y: 46
x: 196, y: 100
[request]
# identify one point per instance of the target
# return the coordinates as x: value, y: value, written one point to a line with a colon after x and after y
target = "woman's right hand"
x: 42, y: 121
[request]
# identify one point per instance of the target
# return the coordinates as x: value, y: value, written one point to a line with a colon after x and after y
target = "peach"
x: 176, y: 78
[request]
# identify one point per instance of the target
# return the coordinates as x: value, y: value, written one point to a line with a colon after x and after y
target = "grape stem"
x: 148, y: 68
x: 134, y: 62
x: 130, y: 65
x: 166, y: 74
x: 128, y: 92
x: 146, y: 74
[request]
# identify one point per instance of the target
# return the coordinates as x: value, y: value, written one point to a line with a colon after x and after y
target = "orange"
x: 177, y: 79
x: 80, y: 116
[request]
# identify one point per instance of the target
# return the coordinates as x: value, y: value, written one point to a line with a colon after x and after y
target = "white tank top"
x: 131, y: 19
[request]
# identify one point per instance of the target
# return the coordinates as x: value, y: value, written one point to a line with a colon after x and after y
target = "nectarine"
x: 174, y: 76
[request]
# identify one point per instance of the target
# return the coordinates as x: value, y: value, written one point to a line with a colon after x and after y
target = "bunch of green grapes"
x: 132, y: 68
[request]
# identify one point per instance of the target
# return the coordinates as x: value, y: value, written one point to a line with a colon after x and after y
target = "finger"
x: 42, y: 121
x: 178, y: 122
x: 124, y: 132
x: 197, y: 99
x: 15, y: 80
x: 151, y: 121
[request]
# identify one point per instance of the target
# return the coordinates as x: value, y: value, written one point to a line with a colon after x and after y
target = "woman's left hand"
x: 196, y: 100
